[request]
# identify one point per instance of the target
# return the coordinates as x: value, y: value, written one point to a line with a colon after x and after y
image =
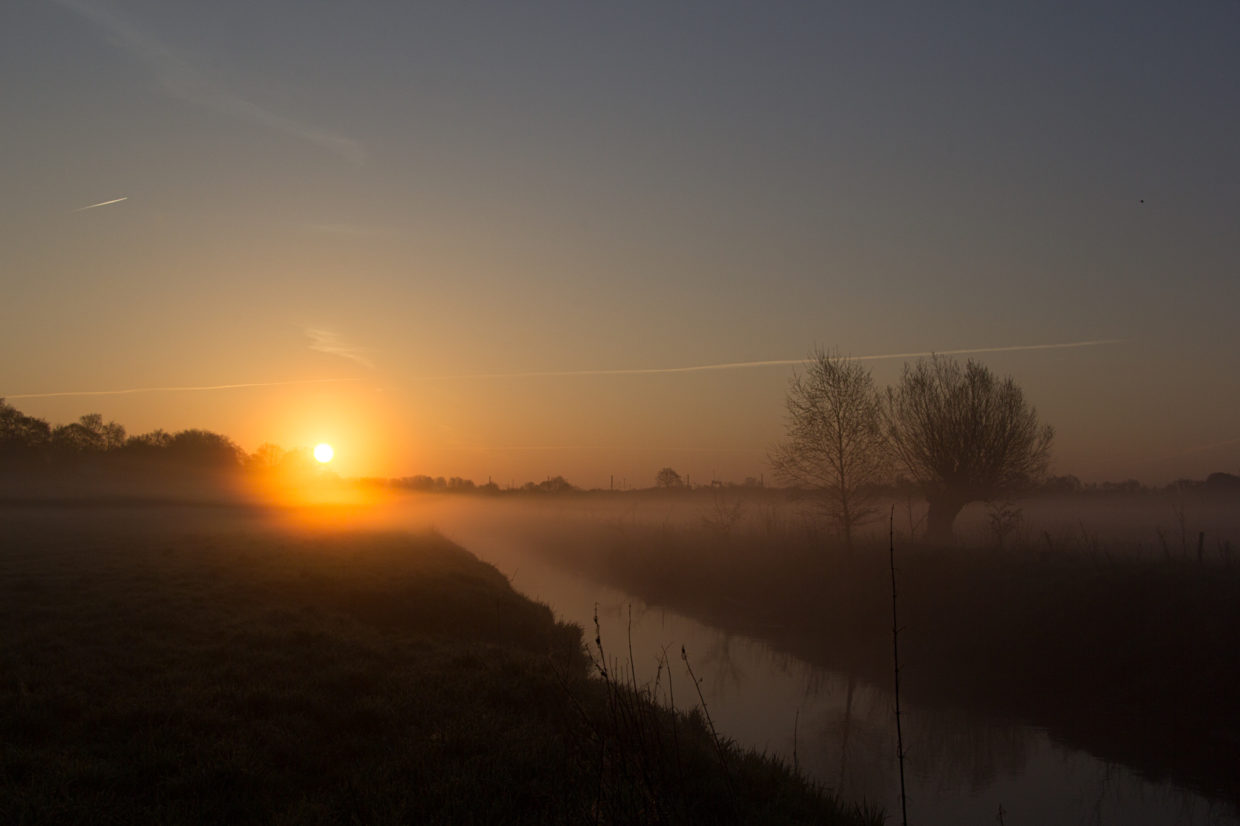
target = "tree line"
x: 30, y: 445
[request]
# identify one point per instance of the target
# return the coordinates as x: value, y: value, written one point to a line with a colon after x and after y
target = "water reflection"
x: 840, y: 730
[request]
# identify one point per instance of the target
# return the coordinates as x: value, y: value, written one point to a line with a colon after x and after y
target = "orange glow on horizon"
x: 365, y: 436
x: 306, y: 491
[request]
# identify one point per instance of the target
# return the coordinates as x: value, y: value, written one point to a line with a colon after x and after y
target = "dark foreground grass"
x: 1135, y: 660
x: 192, y: 665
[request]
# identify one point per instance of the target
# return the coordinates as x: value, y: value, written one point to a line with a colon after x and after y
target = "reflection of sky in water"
x: 958, y: 769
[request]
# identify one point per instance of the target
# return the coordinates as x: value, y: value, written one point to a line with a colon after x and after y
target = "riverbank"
x: 1135, y: 660
x: 209, y: 665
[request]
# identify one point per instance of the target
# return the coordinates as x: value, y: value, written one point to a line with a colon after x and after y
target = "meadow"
x: 1119, y: 639
x: 165, y: 663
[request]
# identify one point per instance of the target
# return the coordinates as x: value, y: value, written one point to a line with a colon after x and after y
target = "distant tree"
x: 21, y: 435
x: 668, y: 478
x: 204, y: 449
x: 76, y: 438
x: 419, y: 482
x: 111, y: 434
x: 298, y: 463
x: 89, y: 434
x: 148, y: 444
x: 964, y: 436
x: 1223, y: 481
x: 834, y: 446
x: 265, y: 459
x: 1062, y: 485
x: 556, y: 484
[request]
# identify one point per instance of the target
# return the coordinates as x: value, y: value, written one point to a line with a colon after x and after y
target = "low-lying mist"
x: 1112, y: 621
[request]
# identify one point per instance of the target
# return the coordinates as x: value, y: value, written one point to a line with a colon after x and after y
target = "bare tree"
x: 668, y: 478
x: 89, y: 434
x: 266, y: 459
x: 835, y: 446
x: 963, y: 435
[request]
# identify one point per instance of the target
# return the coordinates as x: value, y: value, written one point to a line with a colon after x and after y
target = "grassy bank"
x: 203, y: 665
x: 1136, y: 660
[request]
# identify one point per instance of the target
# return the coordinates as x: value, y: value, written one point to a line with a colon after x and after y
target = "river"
x: 960, y: 768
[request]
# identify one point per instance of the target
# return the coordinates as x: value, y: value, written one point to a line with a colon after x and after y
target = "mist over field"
x: 619, y: 413
x: 1044, y: 627
x: 1099, y: 628
x: 1089, y: 624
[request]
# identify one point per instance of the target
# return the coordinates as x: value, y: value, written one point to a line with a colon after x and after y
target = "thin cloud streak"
x: 326, y: 341
x: 740, y: 365
x: 103, y: 203
x: 182, y: 80
x: 625, y: 448
x: 173, y: 389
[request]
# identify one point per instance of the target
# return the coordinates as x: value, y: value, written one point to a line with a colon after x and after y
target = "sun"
x: 323, y: 452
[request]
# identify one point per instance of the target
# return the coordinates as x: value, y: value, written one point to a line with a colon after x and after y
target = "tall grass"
x: 654, y: 762
x: 1133, y: 656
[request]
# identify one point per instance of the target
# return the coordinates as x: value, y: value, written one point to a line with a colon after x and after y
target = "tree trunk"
x: 944, y: 508
x: 845, y: 519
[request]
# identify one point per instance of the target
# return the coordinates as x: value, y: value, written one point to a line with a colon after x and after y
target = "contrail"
x: 738, y: 365
x: 625, y: 448
x: 188, y: 388
x: 103, y: 203
x: 633, y: 371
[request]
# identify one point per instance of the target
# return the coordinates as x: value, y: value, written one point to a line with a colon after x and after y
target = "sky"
x: 464, y: 239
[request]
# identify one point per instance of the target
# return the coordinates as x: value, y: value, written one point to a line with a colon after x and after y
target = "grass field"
x: 207, y: 664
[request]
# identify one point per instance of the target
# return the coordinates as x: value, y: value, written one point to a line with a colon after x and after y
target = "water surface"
x: 960, y: 767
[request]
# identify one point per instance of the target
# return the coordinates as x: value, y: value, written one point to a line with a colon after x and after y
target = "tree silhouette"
x: 204, y: 449
x: 31, y: 448
x: 21, y: 436
x: 89, y: 434
x: 668, y: 478
x: 964, y: 436
x: 265, y: 459
x: 556, y: 484
x: 834, y: 446
x: 147, y: 444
